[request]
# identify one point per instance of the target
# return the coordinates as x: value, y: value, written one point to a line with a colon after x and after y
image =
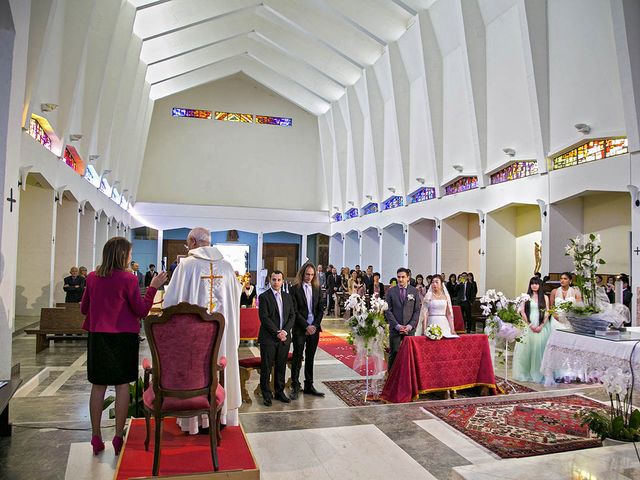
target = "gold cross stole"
x: 211, y: 277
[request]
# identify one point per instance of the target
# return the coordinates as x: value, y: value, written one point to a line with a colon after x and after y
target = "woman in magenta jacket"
x: 113, y: 307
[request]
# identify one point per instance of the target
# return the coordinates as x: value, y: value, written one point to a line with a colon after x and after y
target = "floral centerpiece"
x: 621, y: 421
x: 594, y: 312
x: 369, y: 335
x: 503, y: 315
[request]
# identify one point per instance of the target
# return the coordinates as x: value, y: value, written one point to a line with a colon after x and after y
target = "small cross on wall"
x: 637, y: 251
x: 11, y: 200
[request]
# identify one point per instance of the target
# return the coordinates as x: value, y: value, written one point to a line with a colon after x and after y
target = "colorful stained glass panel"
x: 370, y: 208
x: 105, y: 187
x: 38, y: 133
x: 422, y: 195
x: 337, y: 217
x: 234, y: 117
x: 191, y: 113
x: 393, y: 202
x: 351, y: 213
x: 281, y: 121
x: 72, y: 158
x: 91, y: 176
x: 590, y: 151
x: 115, y: 195
x: 461, y: 185
x: 514, y: 171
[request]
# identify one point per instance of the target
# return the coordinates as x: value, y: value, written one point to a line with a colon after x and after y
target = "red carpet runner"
x: 181, y: 453
x: 339, y: 349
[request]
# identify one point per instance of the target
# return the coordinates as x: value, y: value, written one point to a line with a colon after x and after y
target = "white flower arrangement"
x: 411, y: 297
x: 433, y: 332
x: 584, y: 250
x: 369, y: 328
x: 503, y: 315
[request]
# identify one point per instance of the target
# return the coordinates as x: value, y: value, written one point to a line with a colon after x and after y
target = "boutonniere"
x: 411, y: 297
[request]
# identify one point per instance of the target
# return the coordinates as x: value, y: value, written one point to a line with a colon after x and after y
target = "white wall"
x: 460, y: 244
x: 527, y: 233
x: 422, y: 242
x: 87, y: 232
x: 65, y: 245
x: 209, y: 162
x: 392, y: 251
x: 34, y: 250
x: 336, y: 250
x: 566, y: 220
x: 351, y: 250
x: 371, y: 249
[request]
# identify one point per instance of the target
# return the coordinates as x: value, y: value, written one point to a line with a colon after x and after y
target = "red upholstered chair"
x: 458, y: 319
x: 187, y: 378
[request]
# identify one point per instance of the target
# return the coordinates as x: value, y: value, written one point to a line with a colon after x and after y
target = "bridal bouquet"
x: 503, y: 316
x: 433, y: 332
x: 369, y: 332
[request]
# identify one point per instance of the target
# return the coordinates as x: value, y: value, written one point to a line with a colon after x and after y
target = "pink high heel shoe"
x: 117, y: 444
x: 97, y: 444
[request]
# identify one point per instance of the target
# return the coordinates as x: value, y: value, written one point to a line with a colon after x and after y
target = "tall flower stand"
x: 507, y: 384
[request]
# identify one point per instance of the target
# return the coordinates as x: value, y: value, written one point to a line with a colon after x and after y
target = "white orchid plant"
x: 368, y: 326
x: 503, y: 315
x: 621, y: 421
x: 584, y: 250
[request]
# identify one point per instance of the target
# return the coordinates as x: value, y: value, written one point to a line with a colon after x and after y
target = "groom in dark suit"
x: 277, y: 315
x: 403, y: 312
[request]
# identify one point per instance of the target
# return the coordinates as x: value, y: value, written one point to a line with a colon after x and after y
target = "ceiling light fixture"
x: 48, y: 107
x: 391, y: 189
x: 420, y: 180
x: 509, y: 151
x: 583, y: 128
x: 74, y: 137
x: 459, y: 168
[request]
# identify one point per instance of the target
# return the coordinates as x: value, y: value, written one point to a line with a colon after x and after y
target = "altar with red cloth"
x: 249, y: 324
x: 424, y: 365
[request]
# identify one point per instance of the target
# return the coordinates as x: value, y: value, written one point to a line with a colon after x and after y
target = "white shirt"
x: 309, y: 295
x: 278, y: 296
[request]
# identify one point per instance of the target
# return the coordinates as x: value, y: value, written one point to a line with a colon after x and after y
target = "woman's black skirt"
x: 112, y: 358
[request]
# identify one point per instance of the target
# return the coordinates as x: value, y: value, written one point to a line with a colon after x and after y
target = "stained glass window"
x: 590, y: 151
x: 461, y: 185
x: 91, y: 176
x: 422, y: 195
x: 337, y: 217
x: 105, y: 187
x: 514, y: 171
x: 351, y: 213
x: 72, y: 158
x: 234, y: 117
x: 281, y: 121
x: 370, y: 208
x: 393, y: 202
x: 191, y: 113
x: 123, y: 202
x: 37, y: 131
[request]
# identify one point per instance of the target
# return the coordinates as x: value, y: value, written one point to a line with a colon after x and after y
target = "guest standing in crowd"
x: 377, y: 288
x: 412, y: 281
x: 428, y: 282
x: 627, y: 294
x: 403, y: 313
x: 113, y: 307
x: 367, y: 278
x: 421, y: 287
x: 149, y: 275
x: 73, y: 286
x: 466, y: 295
x: 610, y: 289
x: 248, y: 295
x: 527, y: 357
x: 321, y: 277
x: 344, y: 279
x: 135, y: 268
x: 305, y: 294
x: 393, y: 281
x: 82, y: 271
x: 333, y: 285
x: 353, y: 280
x: 277, y: 316
x: 452, y: 286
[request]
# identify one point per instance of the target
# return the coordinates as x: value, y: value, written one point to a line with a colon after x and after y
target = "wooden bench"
x: 253, y: 363
x: 58, y: 323
x: 6, y: 393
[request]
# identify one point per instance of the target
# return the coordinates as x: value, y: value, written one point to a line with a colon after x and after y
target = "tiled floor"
x: 309, y: 438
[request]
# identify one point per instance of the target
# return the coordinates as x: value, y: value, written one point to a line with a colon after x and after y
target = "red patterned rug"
x: 351, y: 392
x: 338, y: 348
x: 523, y: 428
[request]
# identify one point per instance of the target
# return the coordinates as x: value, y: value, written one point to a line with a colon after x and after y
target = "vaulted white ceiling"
x: 308, y: 52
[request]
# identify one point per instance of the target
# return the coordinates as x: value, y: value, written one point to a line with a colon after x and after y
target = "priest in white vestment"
x: 205, y: 278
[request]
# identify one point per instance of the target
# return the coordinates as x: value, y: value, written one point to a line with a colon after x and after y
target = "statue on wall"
x: 537, y: 253
x: 232, y: 236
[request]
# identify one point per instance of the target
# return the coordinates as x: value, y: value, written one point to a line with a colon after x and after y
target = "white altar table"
x: 582, y: 355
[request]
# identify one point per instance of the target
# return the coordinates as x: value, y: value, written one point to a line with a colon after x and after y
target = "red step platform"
x: 186, y: 456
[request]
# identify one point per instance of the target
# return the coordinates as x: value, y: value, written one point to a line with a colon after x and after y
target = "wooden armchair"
x: 187, y: 377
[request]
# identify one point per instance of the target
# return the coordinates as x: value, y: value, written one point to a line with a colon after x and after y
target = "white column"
x: 438, y: 268
x: 405, y: 247
x: 482, y: 278
x: 380, y: 233
x: 159, y: 251
x: 79, y: 218
x: 259, y: 259
x: 635, y: 250
x: 303, y: 250
x: 545, y: 242
x: 52, y: 266
x: 93, y: 248
x: 360, y: 262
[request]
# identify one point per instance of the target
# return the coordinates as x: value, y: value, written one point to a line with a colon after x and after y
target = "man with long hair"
x: 306, y: 329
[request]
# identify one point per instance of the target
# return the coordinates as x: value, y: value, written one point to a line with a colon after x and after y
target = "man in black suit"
x: 367, y: 278
x: 332, y: 283
x: 467, y: 291
x: 305, y: 293
x: 403, y: 312
x: 277, y: 315
x: 627, y: 294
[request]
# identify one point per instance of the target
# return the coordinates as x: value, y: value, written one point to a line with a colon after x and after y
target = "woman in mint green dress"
x: 527, y: 357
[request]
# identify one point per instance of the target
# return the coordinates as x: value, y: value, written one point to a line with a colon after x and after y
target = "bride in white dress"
x: 437, y: 309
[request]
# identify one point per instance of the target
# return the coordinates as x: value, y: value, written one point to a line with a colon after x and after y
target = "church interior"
x: 442, y: 136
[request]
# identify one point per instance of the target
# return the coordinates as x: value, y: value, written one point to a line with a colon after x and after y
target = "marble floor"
x: 314, y: 437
